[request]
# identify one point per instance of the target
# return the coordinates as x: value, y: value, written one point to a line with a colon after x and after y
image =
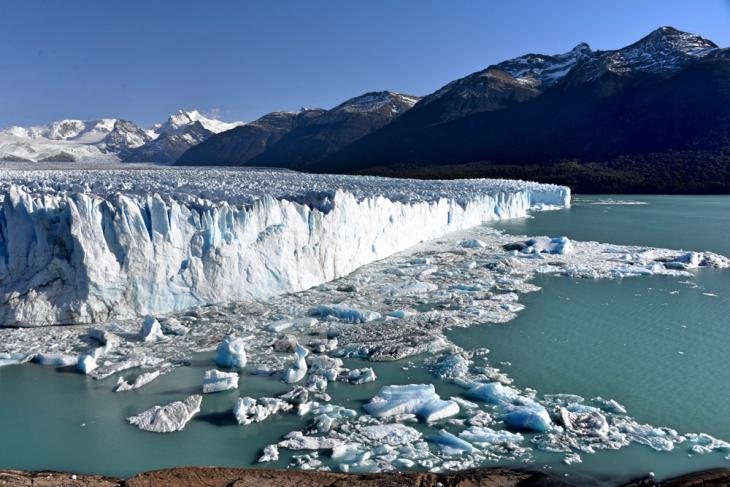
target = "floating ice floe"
x: 450, y: 444
x: 418, y: 399
x: 361, y: 376
x: 15, y: 358
x: 248, y: 410
x: 141, y: 380
x: 539, y: 245
x: 55, y: 359
x: 168, y: 418
x: 217, y: 381
x: 231, y: 353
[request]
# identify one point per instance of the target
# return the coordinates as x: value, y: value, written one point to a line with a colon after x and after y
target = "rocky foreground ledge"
x: 247, y: 477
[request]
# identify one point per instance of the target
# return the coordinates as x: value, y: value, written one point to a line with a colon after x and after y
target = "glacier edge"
x: 83, y: 257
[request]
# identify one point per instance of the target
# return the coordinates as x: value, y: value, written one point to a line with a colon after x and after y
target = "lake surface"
x: 658, y: 345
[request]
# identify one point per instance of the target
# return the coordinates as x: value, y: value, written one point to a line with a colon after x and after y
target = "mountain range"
x: 109, y: 139
x: 653, y: 116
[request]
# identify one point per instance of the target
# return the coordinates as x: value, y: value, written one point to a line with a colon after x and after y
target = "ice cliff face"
x: 120, y: 245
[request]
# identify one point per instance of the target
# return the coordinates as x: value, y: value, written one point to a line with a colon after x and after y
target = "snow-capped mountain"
x: 287, y: 139
x: 106, y: 139
x: 240, y: 145
x: 661, y: 53
x: 663, y: 94
x: 71, y: 140
x: 181, y: 131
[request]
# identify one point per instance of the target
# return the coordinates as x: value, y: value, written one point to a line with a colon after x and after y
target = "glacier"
x: 84, y: 246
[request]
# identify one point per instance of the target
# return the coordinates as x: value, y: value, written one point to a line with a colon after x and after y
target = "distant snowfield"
x: 81, y: 246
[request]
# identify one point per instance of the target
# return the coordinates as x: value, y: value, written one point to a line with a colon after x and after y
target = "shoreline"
x: 254, y: 477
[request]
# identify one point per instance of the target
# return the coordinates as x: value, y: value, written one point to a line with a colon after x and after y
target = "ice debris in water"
x: 537, y: 245
x: 418, y: 399
x: 284, y: 324
x: 344, y: 313
x: 231, y: 353
x: 361, y: 376
x: 248, y: 410
x: 141, y: 380
x: 168, y: 418
x: 55, y: 359
x: 450, y: 444
x: 217, y: 381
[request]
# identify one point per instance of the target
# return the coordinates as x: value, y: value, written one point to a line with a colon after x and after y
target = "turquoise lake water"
x: 658, y: 345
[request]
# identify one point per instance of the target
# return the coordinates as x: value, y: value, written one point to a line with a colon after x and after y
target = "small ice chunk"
x: 141, y: 380
x: 296, y: 440
x: 473, y: 244
x: 151, y: 330
x: 493, y: 392
x: 393, y: 434
x: 450, y: 444
x: 285, y: 344
x: 216, y: 381
x: 483, y: 435
x: 231, y: 353
x: 361, y: 376
x: 271, y: 454
x: 324, y: 365
x: 533, y: 417
x: 172, y: 326
x: 15, y: 358
x: 297, y: 395
x: 168, y: 418
x: 56, y: 359
x: 418, y: 399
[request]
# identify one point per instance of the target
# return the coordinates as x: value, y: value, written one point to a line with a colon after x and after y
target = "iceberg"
x: 151, y: 330
x: 418, y: 399
x: 298, y: 369
x: 231, y: 353
x: 97, y: 245
x: 217, y: 381
x: 168, y: 418
x: 533, y: 417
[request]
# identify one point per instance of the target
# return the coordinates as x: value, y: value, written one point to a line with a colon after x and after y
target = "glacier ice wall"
x: 114, y: 253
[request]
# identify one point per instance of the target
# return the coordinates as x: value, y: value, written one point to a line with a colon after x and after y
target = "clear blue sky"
x: 142, y: 60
